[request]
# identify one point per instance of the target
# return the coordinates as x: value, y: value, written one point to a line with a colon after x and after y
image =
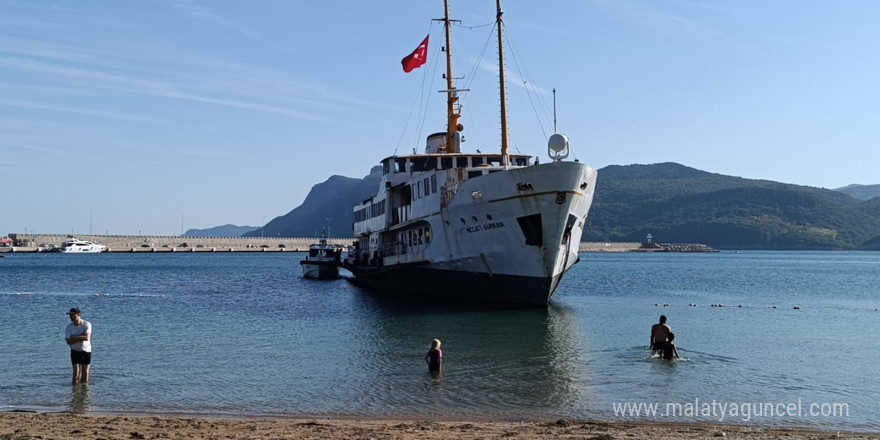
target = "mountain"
x: 673, y: 202
x: 220, y: 231
x: 333, y: 200
x: 676, y: 203
x: 861, y: 192
x: 872, y: 206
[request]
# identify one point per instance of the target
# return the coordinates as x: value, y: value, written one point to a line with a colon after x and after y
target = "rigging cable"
x: 525, y: 76
x: 480, y: 58
x: 473, y: 76
x: 549, y: 111
x: 491, y: 23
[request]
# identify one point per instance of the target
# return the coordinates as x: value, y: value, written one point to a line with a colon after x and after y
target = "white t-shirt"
x: 83, y: 329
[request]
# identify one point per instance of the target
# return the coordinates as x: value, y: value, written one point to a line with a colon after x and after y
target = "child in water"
x: 669, y: 350
x: 434, y: 357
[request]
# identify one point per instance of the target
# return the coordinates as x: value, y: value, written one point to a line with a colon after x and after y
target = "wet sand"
x: 26, y: 426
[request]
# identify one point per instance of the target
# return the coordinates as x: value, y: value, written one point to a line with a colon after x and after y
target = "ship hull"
x: 91, y: 250
x: 460, y: 285
x: 320, y: 269
x: 508, y: 236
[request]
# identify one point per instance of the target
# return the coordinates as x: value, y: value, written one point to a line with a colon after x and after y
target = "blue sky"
x: 128, y: 117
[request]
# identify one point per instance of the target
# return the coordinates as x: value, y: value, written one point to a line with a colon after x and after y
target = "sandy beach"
x: 25, y: 426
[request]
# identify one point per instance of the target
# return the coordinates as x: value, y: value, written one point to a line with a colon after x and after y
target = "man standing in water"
x: 660, y: 335
x: 78, y: 336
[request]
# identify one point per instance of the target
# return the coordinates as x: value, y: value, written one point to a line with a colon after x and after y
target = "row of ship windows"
x: 415, y: 237
x: 422, y: 188
x: 446, y: 163
x: 374, y: 210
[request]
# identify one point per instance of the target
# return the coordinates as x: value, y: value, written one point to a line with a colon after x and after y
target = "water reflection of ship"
x: 498, y: 363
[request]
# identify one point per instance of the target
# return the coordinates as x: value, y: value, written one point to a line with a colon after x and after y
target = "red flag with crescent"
x: 417, y: 58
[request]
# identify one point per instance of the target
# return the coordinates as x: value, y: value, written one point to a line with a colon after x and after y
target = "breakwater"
x: 144, y: 243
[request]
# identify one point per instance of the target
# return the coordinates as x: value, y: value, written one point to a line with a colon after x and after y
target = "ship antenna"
x: 505, y: 155
x: 453, y: 127
x: 557, y: 146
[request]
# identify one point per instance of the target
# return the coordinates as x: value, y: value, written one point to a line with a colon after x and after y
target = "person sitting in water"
x: 659, y: 335
x: 669, y: 351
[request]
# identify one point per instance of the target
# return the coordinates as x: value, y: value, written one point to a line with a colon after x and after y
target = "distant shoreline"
x: 643, y: 247
x: 150, y: 244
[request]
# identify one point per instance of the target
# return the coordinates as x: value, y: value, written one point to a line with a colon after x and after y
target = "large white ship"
x: 494, y: 227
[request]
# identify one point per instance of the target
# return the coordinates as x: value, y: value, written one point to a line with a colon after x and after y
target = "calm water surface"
x: 244, y: 334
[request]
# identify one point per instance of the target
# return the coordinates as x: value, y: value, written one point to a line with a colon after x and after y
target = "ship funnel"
x: 436, y: 144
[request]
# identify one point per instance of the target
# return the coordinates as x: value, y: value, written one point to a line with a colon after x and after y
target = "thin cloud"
x: 57, y: 152
x: 153, y: 71
x: 200, y: 12
x: 513, y: 78
x: 151, y: 149
x: 80, y: 111
x: 173, y: 149
x: 245, y: 105
x: 151, y: 88
x: 727, y: 9
x: 10, y: 22
x: 60, y: 59
x: 198, y: 78
x: 645, y: 14
x: 795, y: 41
x: 81, y: 73
x: 36, y: 49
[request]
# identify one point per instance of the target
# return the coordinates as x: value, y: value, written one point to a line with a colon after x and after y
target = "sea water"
x: 766, y: 339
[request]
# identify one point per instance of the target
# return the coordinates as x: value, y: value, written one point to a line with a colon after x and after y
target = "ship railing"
x: 373, y: 256
x: 406, y: 247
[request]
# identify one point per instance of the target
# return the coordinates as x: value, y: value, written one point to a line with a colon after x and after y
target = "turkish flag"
x: 417, y: 58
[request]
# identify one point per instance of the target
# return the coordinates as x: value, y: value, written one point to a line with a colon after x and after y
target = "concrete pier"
x: 145, y: 243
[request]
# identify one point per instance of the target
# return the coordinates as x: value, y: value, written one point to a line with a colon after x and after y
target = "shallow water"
x: 245, y: 334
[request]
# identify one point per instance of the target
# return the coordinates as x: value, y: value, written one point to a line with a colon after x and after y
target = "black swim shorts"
x: 80, y: 357
x: 659, y: 346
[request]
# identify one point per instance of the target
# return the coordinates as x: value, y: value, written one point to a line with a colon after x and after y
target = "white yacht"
x: 477, y: 226
x: 77, y: 246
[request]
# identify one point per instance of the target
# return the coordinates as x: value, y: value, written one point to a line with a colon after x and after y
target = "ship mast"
x: 453, y: 127
x: 452, y: 115
x: 499, y: 22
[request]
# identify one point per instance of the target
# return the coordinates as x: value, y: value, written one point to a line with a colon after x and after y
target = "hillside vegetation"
x: 861, y: 192
x: 675, y: 203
